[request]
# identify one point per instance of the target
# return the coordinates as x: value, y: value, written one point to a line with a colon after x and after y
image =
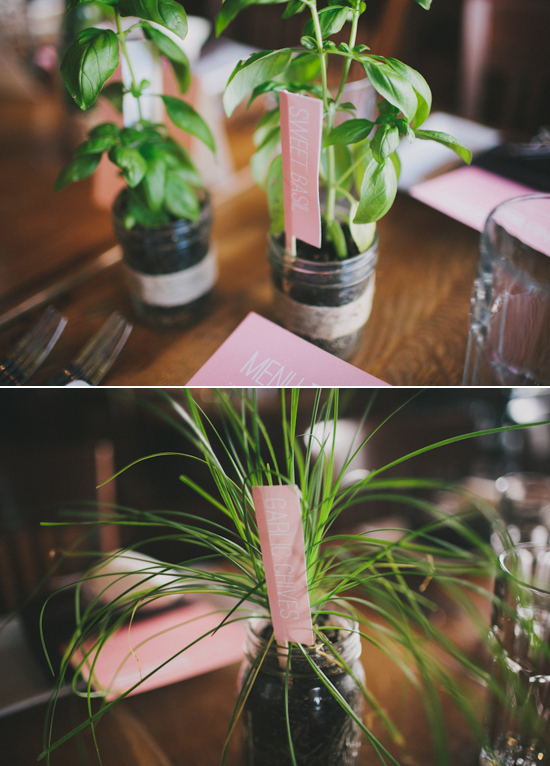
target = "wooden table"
x: 185, y: 724
x: 416, y: 334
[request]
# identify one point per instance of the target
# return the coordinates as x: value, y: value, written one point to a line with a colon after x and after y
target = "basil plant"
x: 359, y: 161
x: 162, y: 182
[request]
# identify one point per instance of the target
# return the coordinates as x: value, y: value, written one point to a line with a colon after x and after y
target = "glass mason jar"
x: 328, y: 303
x: 518, y: 713
x: 322, y: 732
x: 171, y: 269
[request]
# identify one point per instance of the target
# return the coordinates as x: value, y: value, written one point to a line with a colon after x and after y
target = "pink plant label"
x: 279, y: 520
x: 301, y: 131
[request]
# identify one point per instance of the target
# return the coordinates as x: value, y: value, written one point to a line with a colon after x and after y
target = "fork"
x: 96, y: 358
x: 32, y: 349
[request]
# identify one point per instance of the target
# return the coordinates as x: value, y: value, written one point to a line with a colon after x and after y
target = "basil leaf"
x: 132, y: 135
x: 303, y: 68
x: 265, y: 125
x: 378, y: 191
x: 174, y: 54
x: 425, y: 4
x: 393, y: 87
x: 253, y: 72
x: 140, y: 213
x: 421, y: 88
x: 231, y: 8
x: 293, y: 7
x: 180, y: 197
x: 80, y: 167
x: 153, y: 180
x: 88, y: 64
x: 446, y: 140
x: 349, y: 132
x: 265, y: 87
x: 309, y: 42
x: 342, y: 162
x: 114, y: 92
x: 385, y: 142
x: 73, y: 3
x: 396, y: 163
x: 331, y: 20
x: 178, y: 159
x: 185, y: 117
x: 105, y: 129
x: 131, y: 163
x: 168, y: 13
x: 262, y: 157
x: 363, y: 233
x: 94, y: 146
x: 361, y: 155
x: 275, y: 200
x: 405, y: 129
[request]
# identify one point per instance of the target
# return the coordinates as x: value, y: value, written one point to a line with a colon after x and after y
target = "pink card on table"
x: 260, y: 353
x: 279, y: 520
x: 132, y: 653
x: 468, y: 194
x: 301, y: 132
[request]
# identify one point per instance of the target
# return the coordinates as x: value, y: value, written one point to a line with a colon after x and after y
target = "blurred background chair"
x: 506, y: 63
x: 38, y: 482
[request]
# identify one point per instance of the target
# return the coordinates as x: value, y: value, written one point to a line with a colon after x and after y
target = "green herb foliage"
x: 162, y: 182
x: 368, y: 149
x: 365, y: 575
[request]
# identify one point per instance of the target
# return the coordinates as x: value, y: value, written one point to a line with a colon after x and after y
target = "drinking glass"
x: 518, y: 719
x: 524, y: 504
x: 509, y: 340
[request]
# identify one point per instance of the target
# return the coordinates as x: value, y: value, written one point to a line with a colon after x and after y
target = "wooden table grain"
x: 185, y: 724
x: 416, y: 334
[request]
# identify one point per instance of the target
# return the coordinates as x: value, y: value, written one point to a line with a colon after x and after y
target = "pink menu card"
x: 468, y: 194
x: 260, y: 353
x: 132, y: 653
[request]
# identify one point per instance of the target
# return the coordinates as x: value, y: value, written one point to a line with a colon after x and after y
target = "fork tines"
x: 32, y: 349
x: 96, y: 358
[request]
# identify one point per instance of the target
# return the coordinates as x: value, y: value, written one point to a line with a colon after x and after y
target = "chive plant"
x: 163, y: 184
x: 358, y: 574
x: 359, y: 162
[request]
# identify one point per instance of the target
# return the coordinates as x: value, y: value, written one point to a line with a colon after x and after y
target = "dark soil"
x: 166, y: 249
x: 327, y: 252
x: 322, y: 732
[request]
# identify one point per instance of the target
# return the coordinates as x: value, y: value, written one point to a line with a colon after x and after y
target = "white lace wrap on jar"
x: 325, y: 322
x: 177, y: 288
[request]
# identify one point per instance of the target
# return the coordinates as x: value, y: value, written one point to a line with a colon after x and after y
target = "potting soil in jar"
x: 171, y: 269
x: 322, y: 733
x: 322, y: 299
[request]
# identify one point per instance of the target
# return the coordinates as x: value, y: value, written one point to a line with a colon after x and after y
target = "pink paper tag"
x: 468, y: 194
x: 260, y: 353
x: 301, y: 131
x: 282, y: 541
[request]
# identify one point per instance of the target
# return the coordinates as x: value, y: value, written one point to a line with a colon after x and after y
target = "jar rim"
x: 494, y: 255
x: 505, y: 560
x: 336, y: 263
x: 357, y: 267
x: 348, y: 643
x: 180, y: 225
